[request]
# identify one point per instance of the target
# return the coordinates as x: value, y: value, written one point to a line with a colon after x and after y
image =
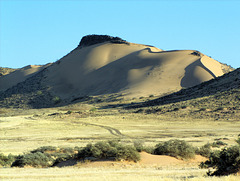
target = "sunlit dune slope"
x: 134, y: 70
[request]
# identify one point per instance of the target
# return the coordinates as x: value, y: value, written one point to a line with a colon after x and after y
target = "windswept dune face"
x: 130, y: 69
x: 104, y: 64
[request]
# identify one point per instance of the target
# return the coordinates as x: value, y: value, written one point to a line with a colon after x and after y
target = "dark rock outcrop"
x: 95, y: 39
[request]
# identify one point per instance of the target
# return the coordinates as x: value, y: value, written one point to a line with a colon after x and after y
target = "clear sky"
x: 42, y: 31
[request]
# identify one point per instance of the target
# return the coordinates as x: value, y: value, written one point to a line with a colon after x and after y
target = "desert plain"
x: 125, y: 92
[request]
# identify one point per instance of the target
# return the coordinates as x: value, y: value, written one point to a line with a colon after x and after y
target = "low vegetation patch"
x: 6, y: 161
x: 48, y: 156
x: 176, y: 148
x: 225, y: 161
x: 205, y: 150
x: 45, y: 156
x: 138, y: 144
x: 37, y: 159
x: 111, y: 149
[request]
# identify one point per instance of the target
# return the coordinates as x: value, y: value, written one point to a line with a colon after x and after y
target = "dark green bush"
x: 36, y: 159
x: 6, y: 160
x: 45, y: 156
x: 176, y: 148
x: 60, y: 157
x: 226, y: 161
x: 110, y: 149
x: 128, y: 153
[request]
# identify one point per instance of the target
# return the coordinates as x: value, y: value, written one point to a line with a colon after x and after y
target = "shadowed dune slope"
x: 134, y: 70
x: 223, y: 91
x: 19, y: 75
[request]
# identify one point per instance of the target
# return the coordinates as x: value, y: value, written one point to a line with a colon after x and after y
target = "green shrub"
x: 56, y: 100
x: 238, y: 140
x: 60, y: 157
x: 218, y: 144
x: 176, y: 148
x: 39, y: 93
x: 226, y: 161
x: 138, y: 144
x: 128, y: 153
x: 93, y: 109
x: 6, y: 160
x: 109, y: 149
x: 205, y: 150
x: 36, y: 159
x: 44, y: 156
x: 67, y: 150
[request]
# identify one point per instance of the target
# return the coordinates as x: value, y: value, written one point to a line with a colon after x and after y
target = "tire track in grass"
x: 112, y: 131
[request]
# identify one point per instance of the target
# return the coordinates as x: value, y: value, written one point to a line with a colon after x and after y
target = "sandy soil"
x: 146, y: 160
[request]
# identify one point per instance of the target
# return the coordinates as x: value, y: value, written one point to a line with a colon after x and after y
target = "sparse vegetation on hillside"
x: 221, y: 91
x: 5, y: 71
x: 217, y: 99
x: 6, y: 161
x: 227, y: 68
x: 28, y: 94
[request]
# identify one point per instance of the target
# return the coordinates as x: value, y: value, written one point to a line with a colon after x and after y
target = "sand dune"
x: 146, y: 159
x: 134, y: 70
x: 130, y: 69
x: 18, y: 76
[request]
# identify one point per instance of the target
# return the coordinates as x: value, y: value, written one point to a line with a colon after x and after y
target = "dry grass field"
x: 80, y: 124
x: 57, y: 127
x: 110, y: 174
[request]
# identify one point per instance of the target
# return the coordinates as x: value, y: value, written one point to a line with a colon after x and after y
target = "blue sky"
x: 42, y: 31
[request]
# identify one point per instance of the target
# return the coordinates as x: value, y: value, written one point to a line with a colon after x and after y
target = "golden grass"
x: 26, y: 132
x: 21, y: 132
x: 110, y: 174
